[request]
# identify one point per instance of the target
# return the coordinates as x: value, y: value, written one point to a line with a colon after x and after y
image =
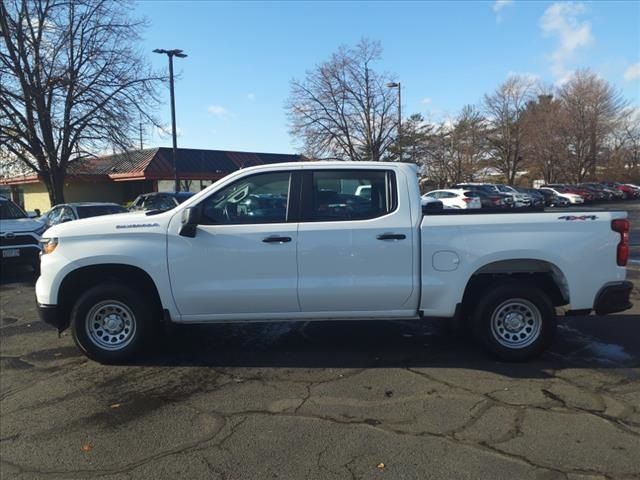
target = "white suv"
x: 454, y: 198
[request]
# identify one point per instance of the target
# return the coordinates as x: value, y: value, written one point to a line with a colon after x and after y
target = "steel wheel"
x: 516, y: 323
x: 110, y: 325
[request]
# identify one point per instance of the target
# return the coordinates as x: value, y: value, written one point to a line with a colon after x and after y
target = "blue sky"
x: 242, y: 55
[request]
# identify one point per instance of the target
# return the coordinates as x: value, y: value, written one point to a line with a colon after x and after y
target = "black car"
x: 159, y: 201
x: 507, y: 199
x: 488, y: 200
x: 553, y: 200
x: 67, y: 212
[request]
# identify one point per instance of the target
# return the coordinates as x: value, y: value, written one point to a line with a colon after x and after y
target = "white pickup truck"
x: 295, y: 242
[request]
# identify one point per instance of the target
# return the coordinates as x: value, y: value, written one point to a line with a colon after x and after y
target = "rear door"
x: 355, y: 252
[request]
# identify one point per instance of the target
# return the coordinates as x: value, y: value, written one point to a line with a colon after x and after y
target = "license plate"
x: 12, y: 252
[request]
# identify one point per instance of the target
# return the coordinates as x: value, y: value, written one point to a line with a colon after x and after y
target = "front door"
x: 242, y: 261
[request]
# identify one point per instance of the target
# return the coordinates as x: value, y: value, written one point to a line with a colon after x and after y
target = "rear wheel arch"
x: 544, y: 275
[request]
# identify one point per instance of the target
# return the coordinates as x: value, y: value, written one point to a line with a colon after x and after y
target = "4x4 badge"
x: 570, y: 218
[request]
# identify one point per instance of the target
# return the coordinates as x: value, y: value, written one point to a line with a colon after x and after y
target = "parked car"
x: 67, y: 212
x: 488, y: 200
x: 19, y: 235
x: 586, y: 196
x: 160, y: 201
x: 628, y: 192
x: 507, y: 198
x: 388, y: 262
x: 520, y: 199
x: 606, y: 193
x: 553, y: 200
x: 454, y: 198
x: 537, y: 199
x: 598, y: 194
x: 430, y: 204
x: 573, y: 198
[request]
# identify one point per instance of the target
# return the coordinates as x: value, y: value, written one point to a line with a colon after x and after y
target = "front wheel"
x: 515, y: 321
x: 110, y: 323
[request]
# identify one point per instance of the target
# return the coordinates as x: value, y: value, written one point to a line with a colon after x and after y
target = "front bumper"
x: 613, y: 297
x: 51, y: 314
x: 26, y: 255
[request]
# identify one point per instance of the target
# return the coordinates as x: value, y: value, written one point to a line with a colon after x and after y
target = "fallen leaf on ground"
x: 87, y: 447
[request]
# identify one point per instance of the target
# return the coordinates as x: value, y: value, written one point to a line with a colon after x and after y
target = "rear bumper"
x: 613, y: 297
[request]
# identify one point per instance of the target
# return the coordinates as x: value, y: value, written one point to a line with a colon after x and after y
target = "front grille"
x: 18, y: 240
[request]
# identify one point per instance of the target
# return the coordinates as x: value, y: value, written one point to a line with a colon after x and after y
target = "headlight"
x: 48, y: 245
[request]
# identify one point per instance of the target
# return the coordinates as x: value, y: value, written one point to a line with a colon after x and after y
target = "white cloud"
x: 498, y: 6
x: 426, y: 100
x: 251, y: 97
x: 218, y: 110
x: 632, y: 73
x: 562, y: 20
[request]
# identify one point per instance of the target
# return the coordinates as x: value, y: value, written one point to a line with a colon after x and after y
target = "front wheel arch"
x: 80, y: 280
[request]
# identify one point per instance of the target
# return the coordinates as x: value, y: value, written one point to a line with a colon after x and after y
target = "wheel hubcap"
x: 516, y: 323
x: 110, y: 325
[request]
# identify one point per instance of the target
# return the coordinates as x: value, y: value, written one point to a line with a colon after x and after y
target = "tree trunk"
x: 54, y: 181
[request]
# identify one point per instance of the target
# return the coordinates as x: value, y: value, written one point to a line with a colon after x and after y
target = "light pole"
x: 398, y: 86
x: 171, y: 54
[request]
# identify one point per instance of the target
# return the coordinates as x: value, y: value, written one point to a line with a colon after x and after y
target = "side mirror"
x: 190, y: 219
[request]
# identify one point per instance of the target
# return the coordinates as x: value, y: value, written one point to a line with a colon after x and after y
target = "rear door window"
x: 335, y: 195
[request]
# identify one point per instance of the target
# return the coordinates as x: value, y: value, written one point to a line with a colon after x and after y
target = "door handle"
x: 276, y: 239
x: 391, y: 236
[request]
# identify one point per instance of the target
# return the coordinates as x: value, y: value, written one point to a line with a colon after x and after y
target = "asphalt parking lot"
x: 319, y: 401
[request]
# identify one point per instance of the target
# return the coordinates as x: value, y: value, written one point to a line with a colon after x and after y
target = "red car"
x: 629, y: 192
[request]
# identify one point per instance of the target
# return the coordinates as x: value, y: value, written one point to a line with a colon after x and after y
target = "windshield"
x: 10, y: 211
x: 98, y: 210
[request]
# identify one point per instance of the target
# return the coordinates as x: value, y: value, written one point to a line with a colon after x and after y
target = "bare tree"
x: 544, y: 125
x: 620, y: 152
x: 593, y: 108
x: 71, y: 82
x: 343, y: 109
x: 504, y: 110
x: 468, y: 144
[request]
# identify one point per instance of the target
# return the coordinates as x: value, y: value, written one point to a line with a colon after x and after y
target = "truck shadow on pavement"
x: 589, y: 342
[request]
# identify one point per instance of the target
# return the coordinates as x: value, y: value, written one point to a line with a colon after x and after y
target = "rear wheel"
x: 110, y: 323
x: 515, y: 321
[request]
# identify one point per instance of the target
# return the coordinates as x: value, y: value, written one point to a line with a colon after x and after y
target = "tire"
x: 111, y: 323
x: 531, y: 316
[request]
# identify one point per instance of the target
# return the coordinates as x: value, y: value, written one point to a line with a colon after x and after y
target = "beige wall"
x: 37, y: 197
